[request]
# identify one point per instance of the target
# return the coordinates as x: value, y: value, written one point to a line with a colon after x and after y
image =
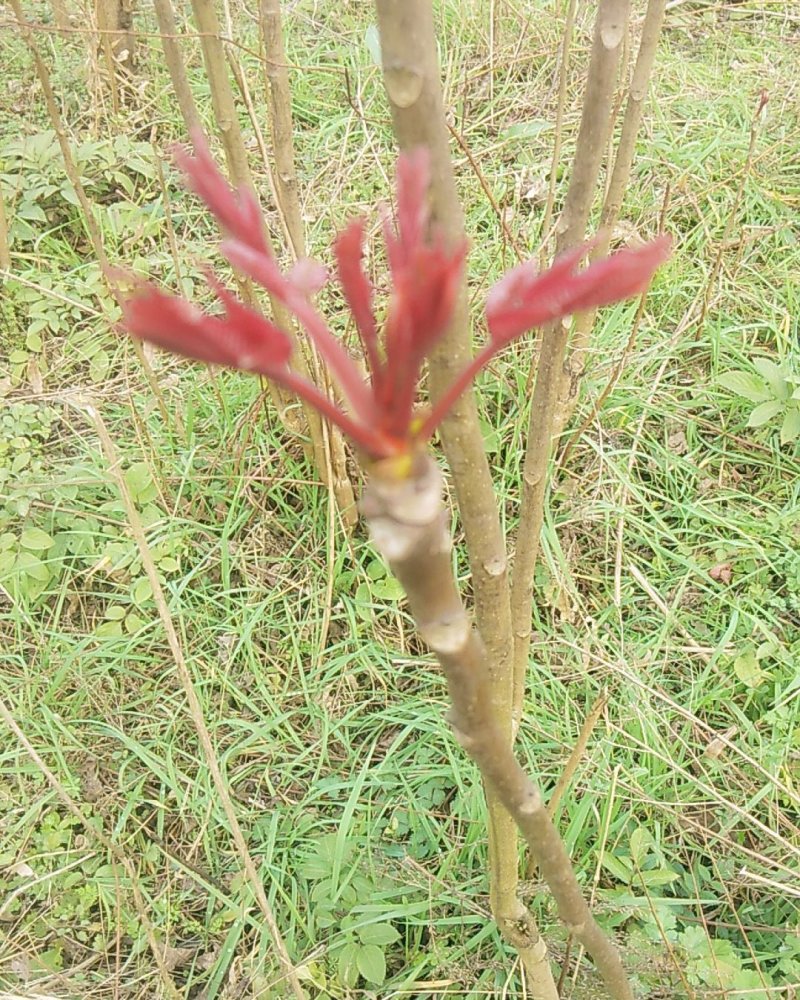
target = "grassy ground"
x: 670, y: 576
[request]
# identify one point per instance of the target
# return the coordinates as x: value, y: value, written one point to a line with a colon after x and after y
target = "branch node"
x: 496, y: 566
x: 531, y: 804
x: 391, y: 543
x: 403, y: 84
x: 447, y: 636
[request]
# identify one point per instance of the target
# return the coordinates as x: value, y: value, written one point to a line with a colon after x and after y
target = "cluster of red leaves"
x: 425, y: 281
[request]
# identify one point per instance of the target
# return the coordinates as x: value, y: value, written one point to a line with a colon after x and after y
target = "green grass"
x: 326, y: 713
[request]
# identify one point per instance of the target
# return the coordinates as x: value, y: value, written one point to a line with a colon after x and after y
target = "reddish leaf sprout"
x: 425, y: 279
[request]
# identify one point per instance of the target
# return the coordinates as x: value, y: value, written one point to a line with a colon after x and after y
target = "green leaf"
x: 641, y: 844
x: 347, y: 896
x: 491, y: 439
x: 658, y: 876
x: 790, y: 428
x: 141, y: 590
x: 347, y: 966
x: 387, y: 590
x: 372, y: 963
x: 754, y: 985
x: 28, y: 564
x: 719, y: 966
x: 324, y: 891
x: 746, y: 668
x: 31, y: 212
x: 376, y: 569
x: 378, y: 934
x: 138, y: 479
x: 20, y: 462
x: 33, y: 341
x: 694, y: 941
x: 621, y: 868
x: 35, y: 539
x: 363, y: 600
x: 134, y: 623
x: 744, y: 384
x: 99, y: 365
x: 774, y: 376
x: 764, y: 412
x: 314, y: 866
x: 373, y: 44
x: 526, y: 130
x: 109, y: 630
x: 115, y: 613
x: 68, y: 194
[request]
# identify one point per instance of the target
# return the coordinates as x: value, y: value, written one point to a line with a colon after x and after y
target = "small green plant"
x: 715, y: 962
x: 775, y: 389
x: 112, y: 171
x: 64, y: 525
x: 341, y: 887
x: 641, y: 864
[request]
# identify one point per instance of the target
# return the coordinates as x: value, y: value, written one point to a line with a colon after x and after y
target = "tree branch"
x: 610, y: 27
x: 412, y: 79
x: 407, y: 521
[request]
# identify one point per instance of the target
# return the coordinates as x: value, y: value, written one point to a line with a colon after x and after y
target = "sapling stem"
x: 407, y: 521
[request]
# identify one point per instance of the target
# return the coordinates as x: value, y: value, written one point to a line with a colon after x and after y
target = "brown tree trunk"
x: 609, y: 32
x: 412, y: 81
x: 407, y: 522
x: 117, y: 44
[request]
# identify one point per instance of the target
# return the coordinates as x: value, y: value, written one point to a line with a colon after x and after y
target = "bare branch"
x: 407, y: 521
x: 610, y: 28
x: 620, y: 176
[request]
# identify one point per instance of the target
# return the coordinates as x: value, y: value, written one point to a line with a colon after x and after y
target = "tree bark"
x: 412, y: 80
x: 168, y: 30
x: 617, y: 185
x: 407, y: 521
x: 328, y: 442
x: 117, y: 43
x: 609, y: 32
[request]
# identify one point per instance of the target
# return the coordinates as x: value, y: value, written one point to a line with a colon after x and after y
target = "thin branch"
x: 563, y: 76
x: 329, y: 447
x: 407, y: 522
x: 226, y: 117
x: 610, y: 28
x: 412, y: 80
x: 618, y: 184
x: 576, y: 754
x: 168, y: 37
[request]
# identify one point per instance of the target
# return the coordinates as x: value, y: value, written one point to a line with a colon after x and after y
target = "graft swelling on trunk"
x: 407, y: 521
